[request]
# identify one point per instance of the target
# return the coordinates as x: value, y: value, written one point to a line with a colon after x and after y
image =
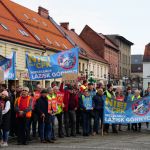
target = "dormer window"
x: 37, y: 37
x: 23, y: 32
x: 4, y: 26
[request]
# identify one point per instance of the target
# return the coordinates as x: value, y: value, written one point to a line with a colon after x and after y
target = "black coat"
x: 6, y: 120
x: 42, y: 107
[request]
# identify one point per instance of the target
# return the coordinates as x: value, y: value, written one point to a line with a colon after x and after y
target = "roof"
x: 83, y: 46
x: 121, y: 38
x: 41, y: 31
x: 108, y: 42
x: 146, y: 57
x: 136, y: 59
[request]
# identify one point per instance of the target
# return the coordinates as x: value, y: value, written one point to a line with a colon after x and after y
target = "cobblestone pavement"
x: 122, y: 141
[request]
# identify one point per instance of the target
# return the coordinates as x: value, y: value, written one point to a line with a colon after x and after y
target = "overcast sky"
x: 129, y: 18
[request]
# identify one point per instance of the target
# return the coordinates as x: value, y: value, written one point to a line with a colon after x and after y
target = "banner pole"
x: 31, y: 86
x: 15, y: 89
x: 102, y: 129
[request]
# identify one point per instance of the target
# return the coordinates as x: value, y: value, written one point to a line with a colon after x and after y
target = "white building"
x: 146, y: 67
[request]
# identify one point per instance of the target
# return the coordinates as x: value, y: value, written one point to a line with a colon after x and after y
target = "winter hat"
x: 5, y: 93
x: 44, y: 91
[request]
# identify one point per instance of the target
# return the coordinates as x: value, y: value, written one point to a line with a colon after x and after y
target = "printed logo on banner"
x: 67, y: 60
x: 141, y: 108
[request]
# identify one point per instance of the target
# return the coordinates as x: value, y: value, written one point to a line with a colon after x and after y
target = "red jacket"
x: 67, y: 98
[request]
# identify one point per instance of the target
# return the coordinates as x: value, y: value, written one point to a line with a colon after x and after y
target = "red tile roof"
x: 109, y: 42
x: 17, y: 17
x: 80, y: 43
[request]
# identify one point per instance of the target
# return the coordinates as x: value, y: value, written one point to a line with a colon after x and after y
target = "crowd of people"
x: 30, y: 114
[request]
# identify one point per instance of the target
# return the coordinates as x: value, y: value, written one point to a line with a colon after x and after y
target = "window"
x: 101, y: 72
x: 97, y: 71
x: 93, y: 68
x: 79, y: 67
x: 4, y: 26
x: 34, y: 19
x: 83, y: 67
x: 23, y: 32
x: 44, y: 24
x: 65, y: 46
x: 50, y: 42
x: 89, y: 67
x: 57, y: 44
x: 26, y: 16
x: 37, y: 37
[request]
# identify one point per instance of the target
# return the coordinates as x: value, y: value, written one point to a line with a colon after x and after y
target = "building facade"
x: 124, y: 46
x: 104, y: 48
x: 146, y: 67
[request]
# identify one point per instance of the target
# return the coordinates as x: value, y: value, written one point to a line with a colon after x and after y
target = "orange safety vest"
x: 28, y: 114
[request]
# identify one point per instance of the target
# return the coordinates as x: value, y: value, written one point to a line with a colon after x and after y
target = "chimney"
x: 65, y: 25
x: 73, y: 30
x: 43, y: 12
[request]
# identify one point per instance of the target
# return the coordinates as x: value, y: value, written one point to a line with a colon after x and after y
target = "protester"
x: 86, y: 106
x: 13, y: 125
x: 70, y: 107
x: 110, y: 94
x: 34, y: 119
x: 92, y: 93
x: 6, y: 113
x: 120, y: 97
x: 84, y: 86
x: 128, y: 98
x: 52, y: 99
x: 59, y: 113
x: 98, y: 101
x: 136, y: 96
x: 44, y: 113
x: 23, y: 108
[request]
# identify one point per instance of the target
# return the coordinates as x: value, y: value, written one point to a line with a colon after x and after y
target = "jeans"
x: 78, y: 120
x: 4, y: 135
x: 86, y: 122
x: 45, y: 130
x: 70, y: 122
x: 98, y: 116
x: 23, y: 129
x: 60, y: 125
x: 92, y: 117
x: 53, y: 127
x: 34, y: 121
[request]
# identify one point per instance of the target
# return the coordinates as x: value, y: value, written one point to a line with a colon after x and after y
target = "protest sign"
x: 127, y: 112
x: 70, y: 78
x: 87, y: 102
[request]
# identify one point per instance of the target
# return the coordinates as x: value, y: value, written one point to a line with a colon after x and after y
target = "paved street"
x: 123, y: 141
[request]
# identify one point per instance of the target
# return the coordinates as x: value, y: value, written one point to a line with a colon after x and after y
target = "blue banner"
x: 9, y: 67
x: 127, y: 112
x: 87, y: 102
x: 50, y: 67
x: 3, y: 60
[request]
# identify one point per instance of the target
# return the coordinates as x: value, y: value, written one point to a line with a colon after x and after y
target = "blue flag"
x: 49, y: 67
x: 9, y: 67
